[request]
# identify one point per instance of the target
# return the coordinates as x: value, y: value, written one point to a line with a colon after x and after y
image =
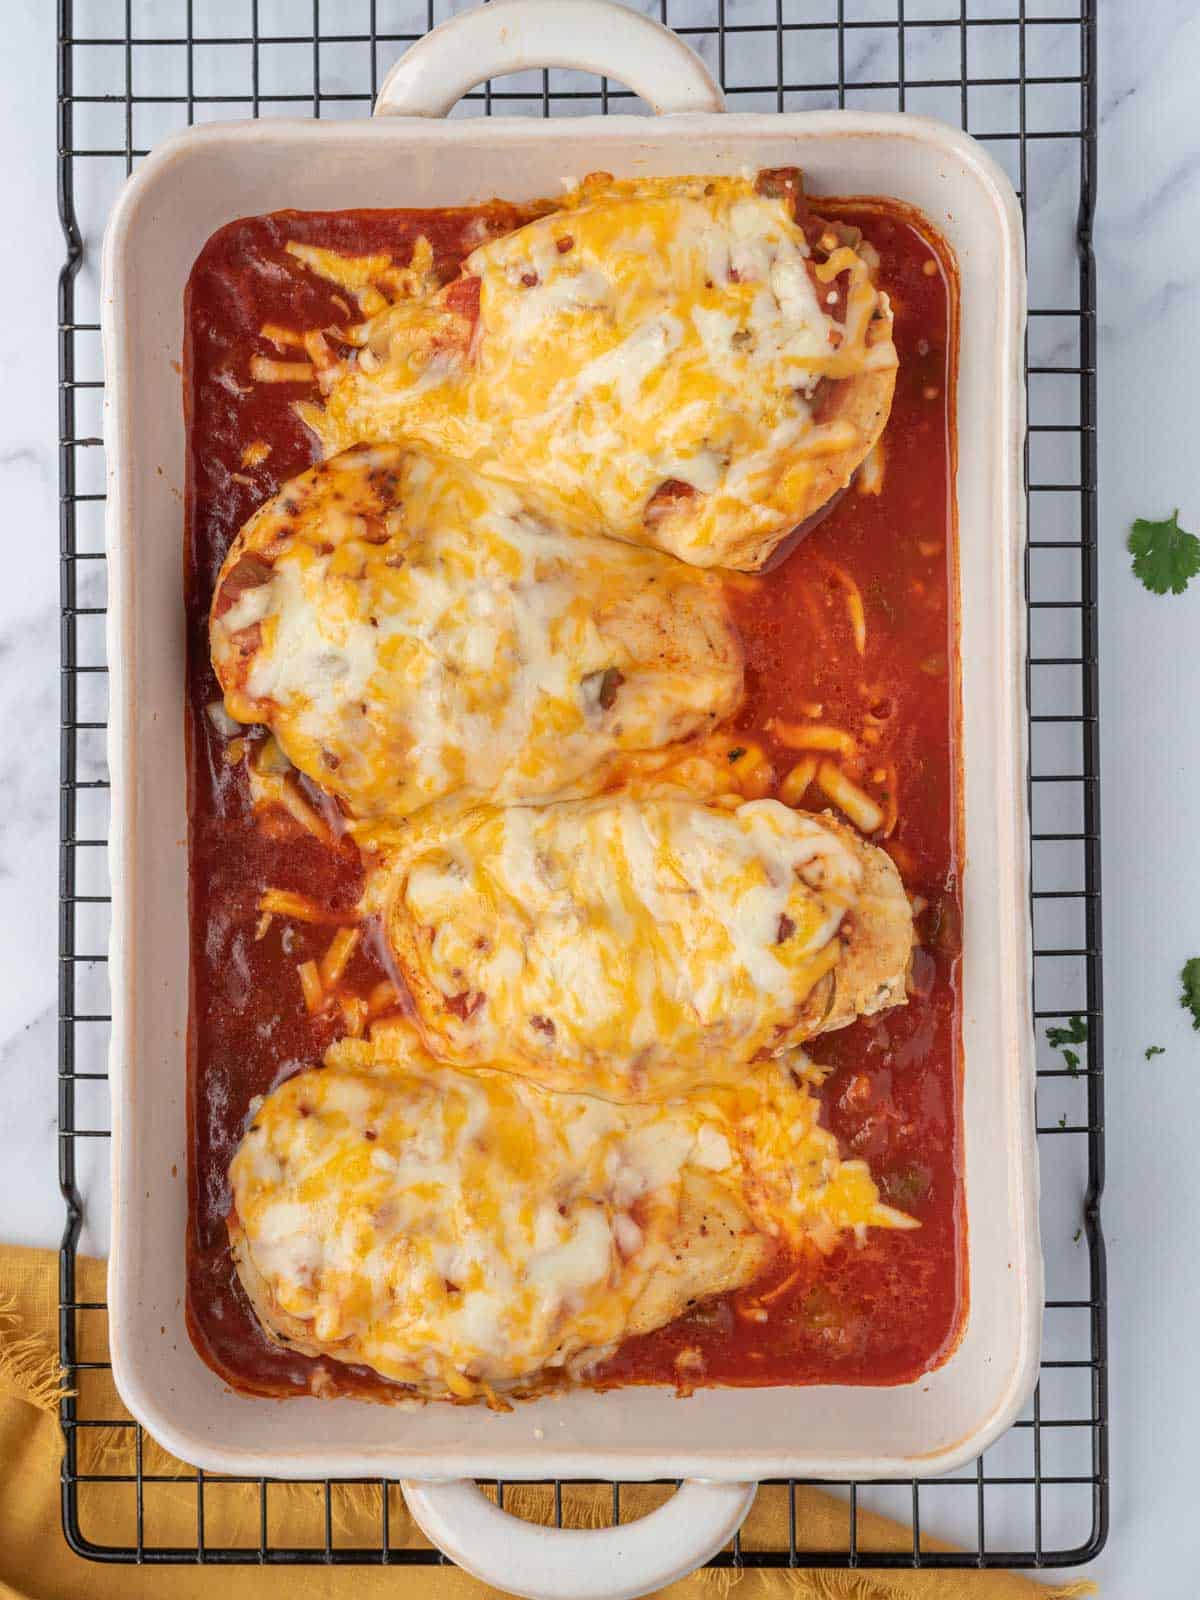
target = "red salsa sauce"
x: 882, y: 1312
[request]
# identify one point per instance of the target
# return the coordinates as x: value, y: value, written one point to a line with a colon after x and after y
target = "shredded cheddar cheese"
x: 637, y: 947
x: 648, y: 356
x: 411, y: 631
x: 470, y: 1235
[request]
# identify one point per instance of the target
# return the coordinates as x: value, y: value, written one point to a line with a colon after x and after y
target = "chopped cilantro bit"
x: 1072, y: 1061
x: 736, y: 754
x: 1190, y: 997
x: 906, y: 1186
x: 1165, y: 558
x: 819, y: 1309
x: 1074, y: 1033
x: 1062, y: 1121
x: 1077, y: 1235
x: 1154, y: 1050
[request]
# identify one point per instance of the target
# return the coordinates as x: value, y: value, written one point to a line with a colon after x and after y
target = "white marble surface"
x: 1148, y: 238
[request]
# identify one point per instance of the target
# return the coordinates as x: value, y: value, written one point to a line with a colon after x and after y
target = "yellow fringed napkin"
x: 35, y: 1563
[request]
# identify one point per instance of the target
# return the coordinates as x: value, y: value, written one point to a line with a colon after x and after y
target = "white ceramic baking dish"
x: 408, y: 156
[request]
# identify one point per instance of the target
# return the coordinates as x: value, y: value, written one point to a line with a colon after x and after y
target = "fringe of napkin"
x: 30, y: 1375
x: 29, y: 1369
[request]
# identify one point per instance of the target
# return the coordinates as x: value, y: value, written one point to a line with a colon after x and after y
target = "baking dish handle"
x: 524, y: 1558
x: 510, y: 35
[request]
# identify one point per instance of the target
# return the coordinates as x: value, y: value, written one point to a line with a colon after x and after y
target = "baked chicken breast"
x: 698, y: 364
x: 469, y: 1235
x: 638, y: 947
x: 410, y: 631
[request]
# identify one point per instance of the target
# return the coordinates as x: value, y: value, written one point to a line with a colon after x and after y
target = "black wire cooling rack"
x: 1021, y: 76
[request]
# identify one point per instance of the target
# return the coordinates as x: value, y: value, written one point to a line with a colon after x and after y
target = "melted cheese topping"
x: 663, y: 332
x: 410, y: 630
x: 465, y: 1232
x: 634, y: 947
x: 375, y: 280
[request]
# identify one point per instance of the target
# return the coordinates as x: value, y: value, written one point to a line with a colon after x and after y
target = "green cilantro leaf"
x: 1165, y: 558
x: 1062, y: 1121
x: 1072, y: 1061
x: 736, y: 753
x: 1154, y: 1050
x: 1190, y: 998
x: 1077, y: 1235
x: 1074, y: 1033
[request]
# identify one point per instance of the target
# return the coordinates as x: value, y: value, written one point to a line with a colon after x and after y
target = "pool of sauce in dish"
x: 882, y: 1312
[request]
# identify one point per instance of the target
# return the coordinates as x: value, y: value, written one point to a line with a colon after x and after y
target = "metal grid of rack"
x: 1021, y: 76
